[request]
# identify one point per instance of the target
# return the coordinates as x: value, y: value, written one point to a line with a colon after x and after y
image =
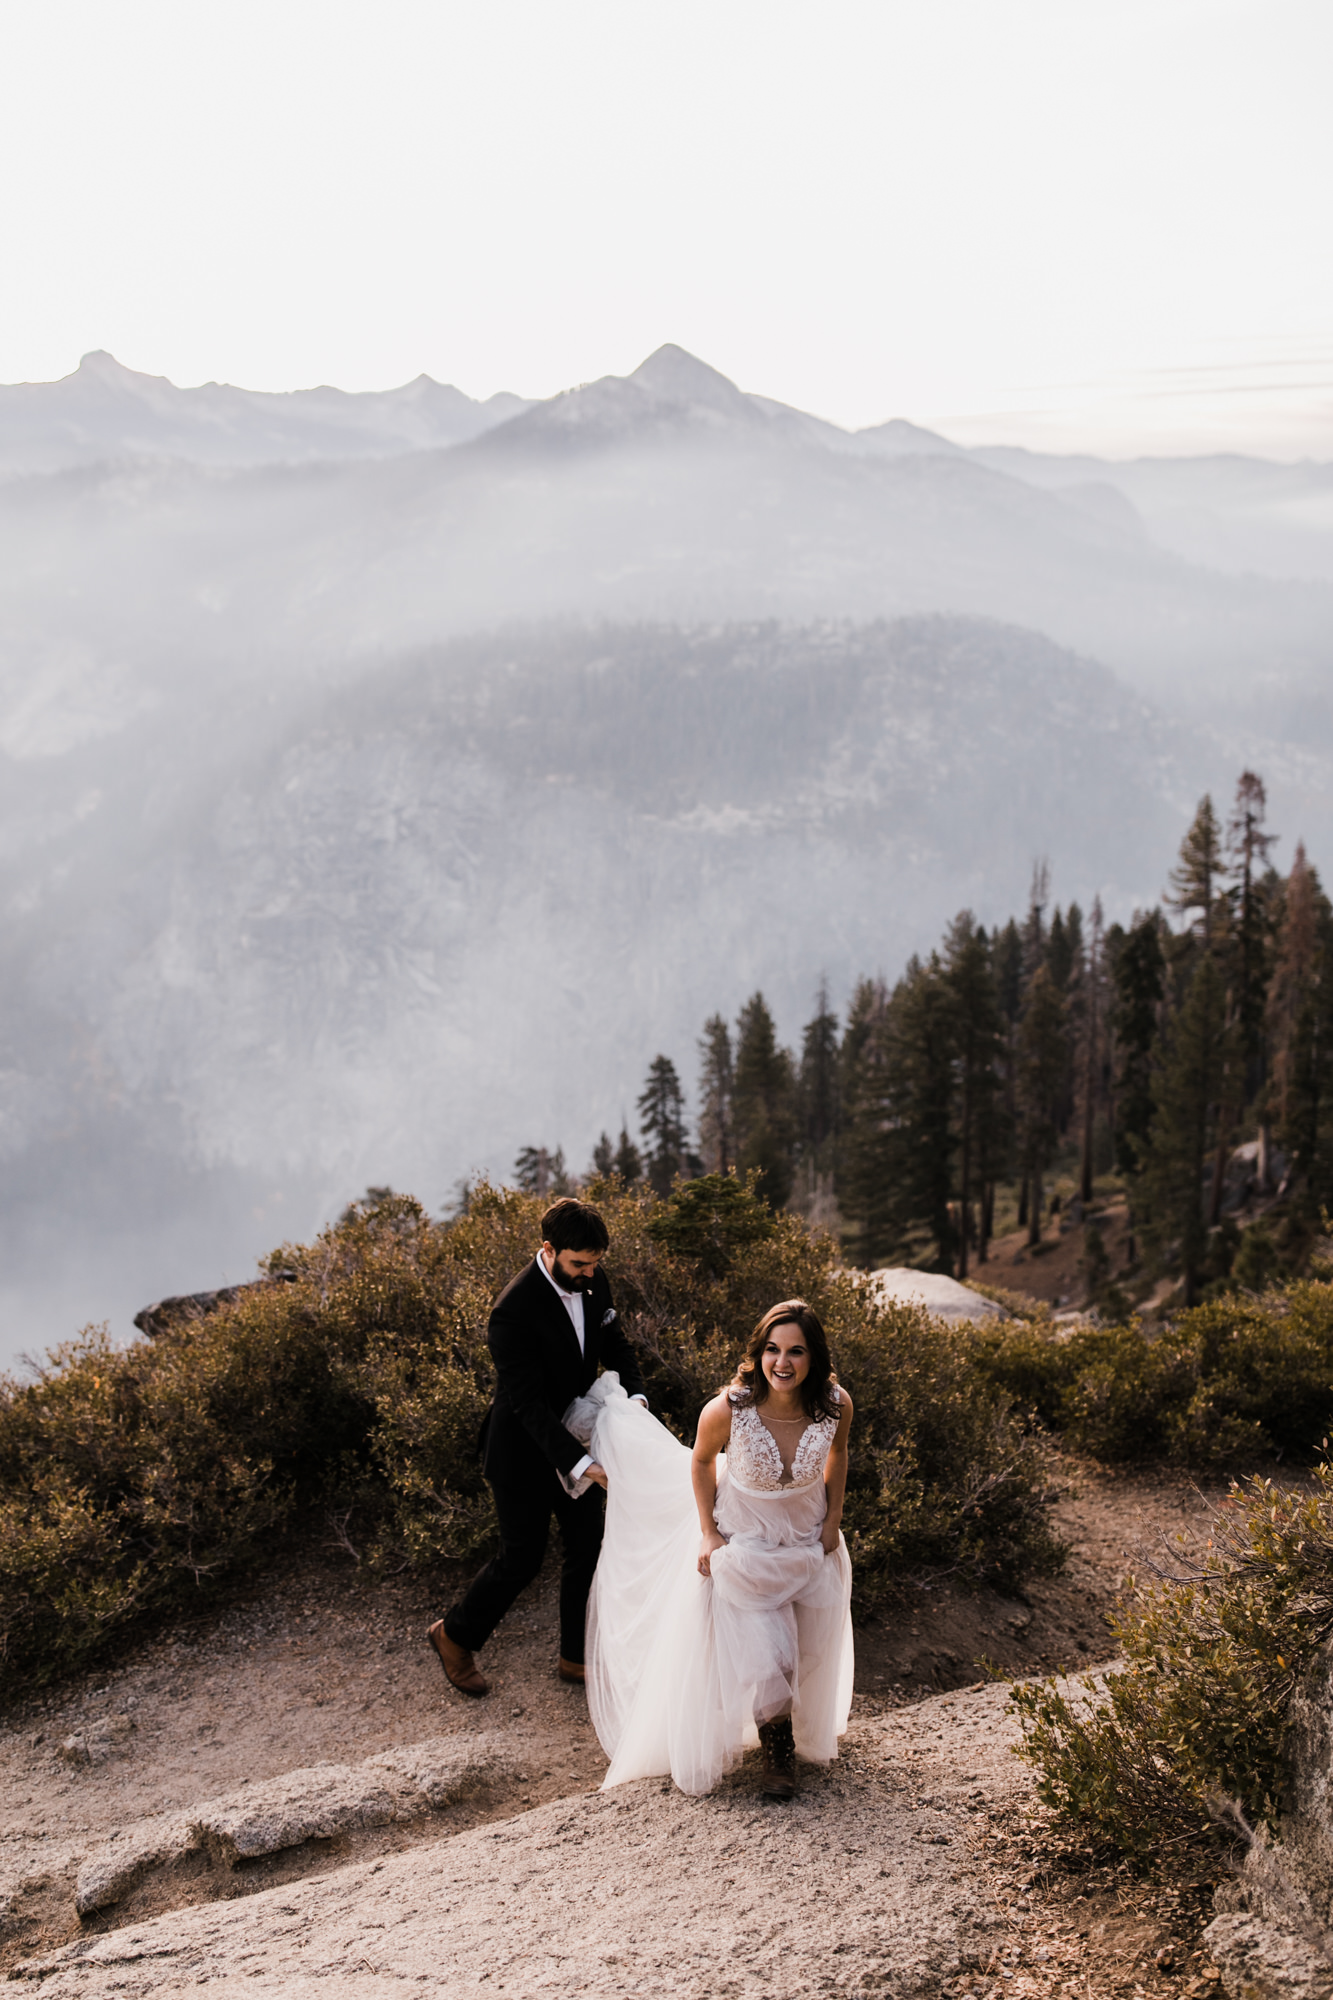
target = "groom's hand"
x: 595, y: 1472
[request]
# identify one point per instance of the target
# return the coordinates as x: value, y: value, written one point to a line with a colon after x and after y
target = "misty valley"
x: 384, y: 776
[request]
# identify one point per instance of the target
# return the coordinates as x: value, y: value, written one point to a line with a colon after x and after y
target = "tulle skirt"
x: 682, y: 1668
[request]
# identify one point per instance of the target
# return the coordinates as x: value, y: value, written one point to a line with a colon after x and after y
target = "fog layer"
x: 366, y: 817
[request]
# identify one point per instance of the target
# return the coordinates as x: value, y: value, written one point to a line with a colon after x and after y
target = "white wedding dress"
x: 681, y: 1668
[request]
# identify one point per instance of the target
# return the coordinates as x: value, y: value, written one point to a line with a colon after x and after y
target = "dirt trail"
x: 320, y: 1664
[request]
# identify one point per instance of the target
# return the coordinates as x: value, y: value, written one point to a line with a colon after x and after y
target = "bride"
x: 696, y: 1648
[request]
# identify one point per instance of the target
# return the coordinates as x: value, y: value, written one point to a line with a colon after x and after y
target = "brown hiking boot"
x: 571, y: 1670
x: 779, y: 1754
x: 460, y: 1669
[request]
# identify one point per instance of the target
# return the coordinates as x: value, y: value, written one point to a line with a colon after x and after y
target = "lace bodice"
x: 755, y: 1461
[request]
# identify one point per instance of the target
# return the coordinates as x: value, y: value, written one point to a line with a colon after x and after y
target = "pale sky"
x: 1048, y: 221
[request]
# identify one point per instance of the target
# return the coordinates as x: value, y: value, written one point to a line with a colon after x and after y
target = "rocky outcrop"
x: 1273, y: 1937
x: 1262, y: 1961
x: 942, y: 1297
x: 316, y: 1803
x: 191, y: 1306
x: 636, y: 1890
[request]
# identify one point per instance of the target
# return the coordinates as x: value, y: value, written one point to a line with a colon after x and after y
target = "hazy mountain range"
x: 388, y: 778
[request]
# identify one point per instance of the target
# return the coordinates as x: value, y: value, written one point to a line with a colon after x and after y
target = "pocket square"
x: 608, y: 1315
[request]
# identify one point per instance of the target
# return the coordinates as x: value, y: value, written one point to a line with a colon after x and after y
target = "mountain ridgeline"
x: 383, y: 773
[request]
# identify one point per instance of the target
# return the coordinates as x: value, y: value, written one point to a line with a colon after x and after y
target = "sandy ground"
x: 317, y: 1662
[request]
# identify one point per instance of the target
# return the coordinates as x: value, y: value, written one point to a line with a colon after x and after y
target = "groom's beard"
x: 571, y: 1281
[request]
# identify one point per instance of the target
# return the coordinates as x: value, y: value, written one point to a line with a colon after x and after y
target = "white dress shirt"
x: 571, y: 1301
x: 573, y: 1305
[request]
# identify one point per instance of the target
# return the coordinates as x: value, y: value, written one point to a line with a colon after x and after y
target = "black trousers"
x: 525, y: 1519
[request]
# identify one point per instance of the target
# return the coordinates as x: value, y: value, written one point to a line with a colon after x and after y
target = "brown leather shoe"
x: 572, y: 1670
x: 460, y: 1669
x: 779, y: 1752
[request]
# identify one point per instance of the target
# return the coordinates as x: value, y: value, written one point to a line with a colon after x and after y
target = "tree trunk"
x: 1089, y: 1095
x: 965, y: 1175
x: 987, y: 1221
x: 1023, y: 1202
x: 1034, y: 1212
x: 1219, y: 1165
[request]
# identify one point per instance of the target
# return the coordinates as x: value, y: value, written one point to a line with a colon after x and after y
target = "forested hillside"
x: 1187, y: 1052
x: 269, y: 951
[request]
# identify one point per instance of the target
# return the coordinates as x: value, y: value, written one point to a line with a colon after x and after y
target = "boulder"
x: 313, y: 1803
x: 1251, y: 1174
x: 1273, y: 1937
x: 109, y: 1874
x: 943, y: 1298
x: 1259, y: 1960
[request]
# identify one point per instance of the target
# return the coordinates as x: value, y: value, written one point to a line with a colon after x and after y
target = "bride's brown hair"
x: 818, y: 1392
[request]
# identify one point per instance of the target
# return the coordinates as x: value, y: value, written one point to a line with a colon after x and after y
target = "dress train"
x: 681, y: 1668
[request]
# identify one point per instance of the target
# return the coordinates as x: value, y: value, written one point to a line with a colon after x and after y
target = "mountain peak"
x: 100, y: 370
x: 104, y: 366
x: 680, y: 377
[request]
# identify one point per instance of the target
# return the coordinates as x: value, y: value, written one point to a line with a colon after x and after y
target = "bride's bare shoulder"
x: 715, y: 1420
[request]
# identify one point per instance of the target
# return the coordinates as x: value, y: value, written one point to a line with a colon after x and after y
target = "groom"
x: 551, y: 1329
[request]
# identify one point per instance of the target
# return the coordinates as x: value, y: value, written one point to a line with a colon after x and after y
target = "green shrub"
x: 1231, y: 1378
x: 132, y: 1477
x: 1198, y: 1715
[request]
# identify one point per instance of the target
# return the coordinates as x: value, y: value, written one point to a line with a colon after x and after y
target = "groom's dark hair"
x: 571, y: 1225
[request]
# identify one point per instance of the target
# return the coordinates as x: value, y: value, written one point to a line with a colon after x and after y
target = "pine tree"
x: 1253, y: 886
x: 819, y: 1114
x: 1092, y: 1016
x: 1008, y: 958
x: 1137, y: 965
x: 539, y: 1172
x: 1034, y: 933
x: 1188, y: 1078
x: 1043, y: 1064
x: 1197, y: 880
x: 921, y: 1044
x: 716, y: 1085
x: 628, y: 1161
x: 1294, y: 973
x: 1300, y: 1015
x: 1035, y: 938
x: 1060, y: 951
x: 617, y: 1157
x: 970, y: 982
x: 1248, y: 846
x: 862, y: 1175
x: 1066, y: 965
x: 819, y: 1078
x: 662, y: 1124
x: 1008, y: 961
x: 763, y: 1103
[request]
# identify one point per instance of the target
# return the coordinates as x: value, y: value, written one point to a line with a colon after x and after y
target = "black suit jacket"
x: 539, y: 1371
